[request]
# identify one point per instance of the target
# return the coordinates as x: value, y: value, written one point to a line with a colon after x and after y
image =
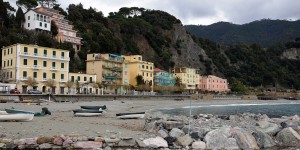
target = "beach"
x: 62, y: 120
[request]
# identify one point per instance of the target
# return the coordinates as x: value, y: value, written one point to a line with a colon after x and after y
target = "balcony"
x: 117, y: 69
x: 62, y: 80
x: 23, y: 78
x: 53, y: 68
x: 35, y: 67
x: 44, y: 56
x: 44, y: 79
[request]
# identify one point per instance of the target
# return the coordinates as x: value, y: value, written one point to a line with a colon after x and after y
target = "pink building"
x: 213, y: 83
x: 65, y: 28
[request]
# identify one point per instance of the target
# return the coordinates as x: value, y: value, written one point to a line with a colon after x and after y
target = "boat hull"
x: 94, y: 107
x: 13, y: 111
x: 85, y: 114
x: 86, y: 111
x: 131, y: 115
x: 16, y: 117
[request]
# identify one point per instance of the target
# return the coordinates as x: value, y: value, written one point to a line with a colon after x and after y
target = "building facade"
x: 65, y: 29
x: 213, y: 84
x: 139, y: 67
x: 21, y: 62
x: 83, y: 83
x: 189, y: 77
x: 163, y: 78
x: 37, y: 21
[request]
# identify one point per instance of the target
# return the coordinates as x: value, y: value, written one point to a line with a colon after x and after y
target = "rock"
x: 220, y: 139
x: 88, y: 145
x: 82, y: 138
x: 111, y: 142
x: 198, y: 145
x: 267, y: 127
x: 152, y: 126
x: 113, y: 136
x: 175, y: 132
x: 67, y: 141
x: 140, y: 143
x: 99, y: 139
x: 170, y: 140
x: 127, y: 143
x: 58, y: 141
x: 234, y: 118
x: 2, y: 145
x: 157, y: 142
x: 22, y: 146
x: 295, y: 118
x: 107, y: 148
x: 263, y: 140
x: 19, y: 141
x: 195, y: 135
x: 45, y: 146
x: 224, y: 117
x: 288, y: 137
x: 30, y: 141
x: 173, y: 124
x: 11, y: 146
x: 201, y: 133
x: 163, y: 133
x: 290, y: 123
x: 31, y: 146
x: 244, y: 139
x: 6, y: 140
x: 184, y: 140
x: 42, y: 140
x: 126, y: 138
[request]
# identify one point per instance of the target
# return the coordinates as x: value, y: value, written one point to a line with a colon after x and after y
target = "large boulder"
x: 175, y: 132
x: 288, y: 137
x: 244, y: 139
x: 163, y: 133
x: 152, y: 125
x: 46, y: 139
x: 156, y: 142
x: 184, y: 140
x: 198, y: 145
x: 267, y: 127
x: 292, y: 124
x: 263, y: 140
x: 173, y: 124
x: 220, y: 139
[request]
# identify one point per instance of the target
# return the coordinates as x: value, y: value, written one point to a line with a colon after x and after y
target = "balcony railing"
x: 62, y: 80
x: 53, y: 68
x: 36, y: 67
x: 44, y: 79
x: 44, y: 56
x: 23, y: 78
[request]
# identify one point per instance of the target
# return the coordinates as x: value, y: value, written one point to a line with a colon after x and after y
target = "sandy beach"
x: 62, y: 120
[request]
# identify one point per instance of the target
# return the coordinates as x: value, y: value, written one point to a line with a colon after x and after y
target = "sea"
x: 272, y: 110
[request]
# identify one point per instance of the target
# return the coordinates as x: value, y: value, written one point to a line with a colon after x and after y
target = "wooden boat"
x: 134, y: 115
x: 94, y: 107
x: 16, y: 117
x: 87, y: 112
x: 44, y: 112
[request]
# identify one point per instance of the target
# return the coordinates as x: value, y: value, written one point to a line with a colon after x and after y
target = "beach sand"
x: 62, y: 120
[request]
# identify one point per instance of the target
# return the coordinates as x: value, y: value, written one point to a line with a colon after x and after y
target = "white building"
x: 37, y: 21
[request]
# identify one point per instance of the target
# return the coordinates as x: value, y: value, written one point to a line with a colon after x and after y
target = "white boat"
x: 134, y: 115
x: 3, y: 112
x: 86, y: 114
x: 16, y: 117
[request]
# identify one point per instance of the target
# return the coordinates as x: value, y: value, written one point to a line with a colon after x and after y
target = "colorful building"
x: 189, y: 77
x: 21, y: 61
x: 83, y: 83
x: 65, y: 28
x: 163, y: 78
x: 109, y: 70
x: 37, y: 21
x: 139, y: 67
x: 213, y: 84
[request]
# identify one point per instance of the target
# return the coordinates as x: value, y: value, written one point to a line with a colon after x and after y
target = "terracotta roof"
x: 158, y: 70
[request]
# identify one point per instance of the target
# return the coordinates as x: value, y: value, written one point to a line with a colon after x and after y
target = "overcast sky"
x: 202, y: 12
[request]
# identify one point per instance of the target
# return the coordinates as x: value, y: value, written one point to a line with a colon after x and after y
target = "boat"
x: 94, y: 107
x: 16, y: 117
x: 44, y: 112
x: 87, y: 112
x: 133, y: 115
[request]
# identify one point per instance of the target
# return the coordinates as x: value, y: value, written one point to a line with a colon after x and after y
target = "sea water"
x: 272, y: 110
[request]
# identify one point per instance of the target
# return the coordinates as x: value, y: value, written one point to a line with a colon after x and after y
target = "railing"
x: 62, y: 80
x: 23, y: 78
x: 44, y: 79
x: 44, y: 56
x: 36, y: 67
x: 54, y: 68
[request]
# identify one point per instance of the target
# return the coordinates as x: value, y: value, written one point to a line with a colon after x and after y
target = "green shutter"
x: 53, y: 75
x: 44, y: 75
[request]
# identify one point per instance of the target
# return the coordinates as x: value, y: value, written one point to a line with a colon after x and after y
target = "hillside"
x: 264, y: 32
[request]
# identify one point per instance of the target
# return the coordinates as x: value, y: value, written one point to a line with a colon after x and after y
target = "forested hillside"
x: 264, y: 32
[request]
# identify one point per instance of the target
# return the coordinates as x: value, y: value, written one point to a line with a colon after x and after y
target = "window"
x: 150, y: 74
x: 91, y: 79
x: 7, y: 51
x: 41, y: 24
x: 45, y: 52
x: 7, y: 63
x: 126, y: 65
x: 54, y: 53
x: 78, y: 78
x: 44, y: 63
x: 53, y: 64
x: 4, y: 52
x: 62, y: 65
x: 28, y: 25
x: 28, y: 17
x: 147, y: 74
x: 25, y: 62
x: 45, y: 25
x: 11, y: 74
x: 84, y: 79
x: 24, y: 74
x: 35, y: 62
x: 72, y: 78
x: 44, y: 75
x: 11, y: 62
x: 11, y: 50
x: 25, y: 49
x: 35, y: 51
x: 62, y: 76
x: 150, y: 67
x: 4, y: 63
x: 146, y: 67
x: 139, y: 58
x: 125, y: 73
x: 34, y: 74
x: 143, y: 66
x: 53, y: 75
x: 62, y: 54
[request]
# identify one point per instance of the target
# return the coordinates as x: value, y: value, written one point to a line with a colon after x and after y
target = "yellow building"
x: 83, y: 83
x: 137, y: 67
x: 189, y: 77
x: 108, y: 69
x: 21, y: 62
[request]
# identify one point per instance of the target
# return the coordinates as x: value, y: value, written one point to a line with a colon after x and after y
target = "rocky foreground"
x: 242, y: 131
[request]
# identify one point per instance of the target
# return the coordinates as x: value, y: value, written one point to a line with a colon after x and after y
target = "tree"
x: 5, y: 7
x: 20, y: 17
x: 177, y: 81
x: 50, y: 83
x: 54, y: 29
x: 139, y: 80
x: 69, y: 84
x: 31, y: 82
x: 27, y: 4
